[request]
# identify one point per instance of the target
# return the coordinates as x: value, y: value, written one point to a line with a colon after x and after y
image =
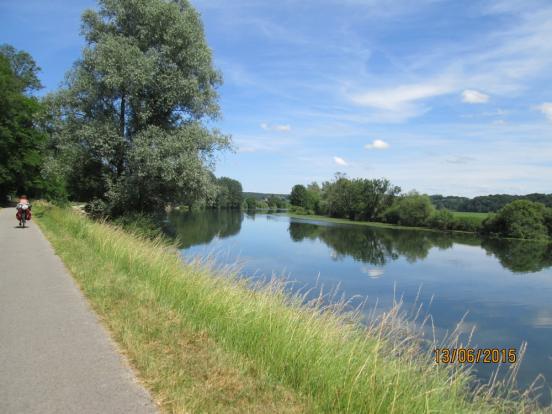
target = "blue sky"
x: 450, y: 97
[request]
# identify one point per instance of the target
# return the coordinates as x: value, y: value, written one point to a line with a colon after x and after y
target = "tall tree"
x: 338, y: 197
x: 134, y: 106
x: 298, y: 196
x: 229, y: 194
x: 372, y: 197
x: 20, y: 141
x: 24, y: 68
x: 412, y: 209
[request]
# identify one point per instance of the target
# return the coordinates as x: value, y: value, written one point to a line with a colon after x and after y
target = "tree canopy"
x: 229, y: 193
x: 130, y: 120
x: 21, y: 143
x: 356, y: 199
x: 521, y: 219
x: 486, y: 204
x: 412, y: 209
x: 298, y: 196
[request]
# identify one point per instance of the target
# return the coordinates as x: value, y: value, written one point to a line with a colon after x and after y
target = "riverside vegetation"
x: 204, y: 340
x: 377, y: 200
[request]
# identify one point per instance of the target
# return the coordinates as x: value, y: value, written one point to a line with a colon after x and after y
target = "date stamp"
x: 475, y: 355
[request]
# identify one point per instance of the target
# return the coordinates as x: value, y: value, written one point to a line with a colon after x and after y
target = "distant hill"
x: 486, y: 204
x: 263, y: 196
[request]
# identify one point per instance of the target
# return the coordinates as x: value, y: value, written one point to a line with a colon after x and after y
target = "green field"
x: 470, y: 218
x: 467, y: 214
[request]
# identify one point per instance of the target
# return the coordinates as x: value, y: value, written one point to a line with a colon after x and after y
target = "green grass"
x: 465, y: 221
x: 206, y: 342
x: 315, y: 217
x: 469, y: 220
x: 463, y: 214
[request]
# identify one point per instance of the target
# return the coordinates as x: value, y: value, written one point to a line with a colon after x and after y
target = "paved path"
x: 55, y: 357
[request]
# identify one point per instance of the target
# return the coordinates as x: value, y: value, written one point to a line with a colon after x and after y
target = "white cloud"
x: 340, y: 161
x: 400, y: 97
x: 505, y: 61
x: 275, y: 127
x: 282, y: 128
x: 546, y: 109
x: 400, y: 103
x: 474, y: 97
x: 377, y: 144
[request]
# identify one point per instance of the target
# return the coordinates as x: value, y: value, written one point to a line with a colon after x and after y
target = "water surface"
x: 504, y: 286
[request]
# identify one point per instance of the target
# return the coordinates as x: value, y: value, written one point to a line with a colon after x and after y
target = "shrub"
x: 262, y: 205
x: 520, y: 219
x: 300, y: 210
x: 97, y: 209
x: 391, y: 215
x: 467, y: 223
x: 250, y: 203
x: 412, y: 209
x: 442, y: 220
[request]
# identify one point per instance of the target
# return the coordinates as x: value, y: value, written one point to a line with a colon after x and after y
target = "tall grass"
x: 321, y: 353
x: 481, y: 216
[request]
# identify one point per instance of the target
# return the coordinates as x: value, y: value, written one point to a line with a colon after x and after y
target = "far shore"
x: 315, y: 217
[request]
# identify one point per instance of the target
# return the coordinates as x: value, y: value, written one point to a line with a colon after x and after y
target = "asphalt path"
x: 55, y: 356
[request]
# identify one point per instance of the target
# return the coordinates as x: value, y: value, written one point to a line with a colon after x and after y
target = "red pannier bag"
x: 20, y: 212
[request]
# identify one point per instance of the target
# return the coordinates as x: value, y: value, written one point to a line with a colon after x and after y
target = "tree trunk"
x: 122, y: 110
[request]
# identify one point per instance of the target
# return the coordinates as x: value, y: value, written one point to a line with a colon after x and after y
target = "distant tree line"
x: 228, y: 194
x: 266, y: 202
x: 264, y: 196
x: 379, y: 200
x: 486, y: 204
x: 355, y: 199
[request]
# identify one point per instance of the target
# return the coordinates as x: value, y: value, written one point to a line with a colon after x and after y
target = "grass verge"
x: 202, y: 342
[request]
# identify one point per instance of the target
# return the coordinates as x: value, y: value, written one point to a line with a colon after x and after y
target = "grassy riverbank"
x: 316, y: 217
x: 206, y: 342
x: 476, y: 218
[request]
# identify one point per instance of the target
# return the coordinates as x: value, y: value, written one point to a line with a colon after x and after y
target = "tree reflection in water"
x: 377, y: 246
x: 520, y: 256
x: 192, y: 228
x: 370, y: 245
